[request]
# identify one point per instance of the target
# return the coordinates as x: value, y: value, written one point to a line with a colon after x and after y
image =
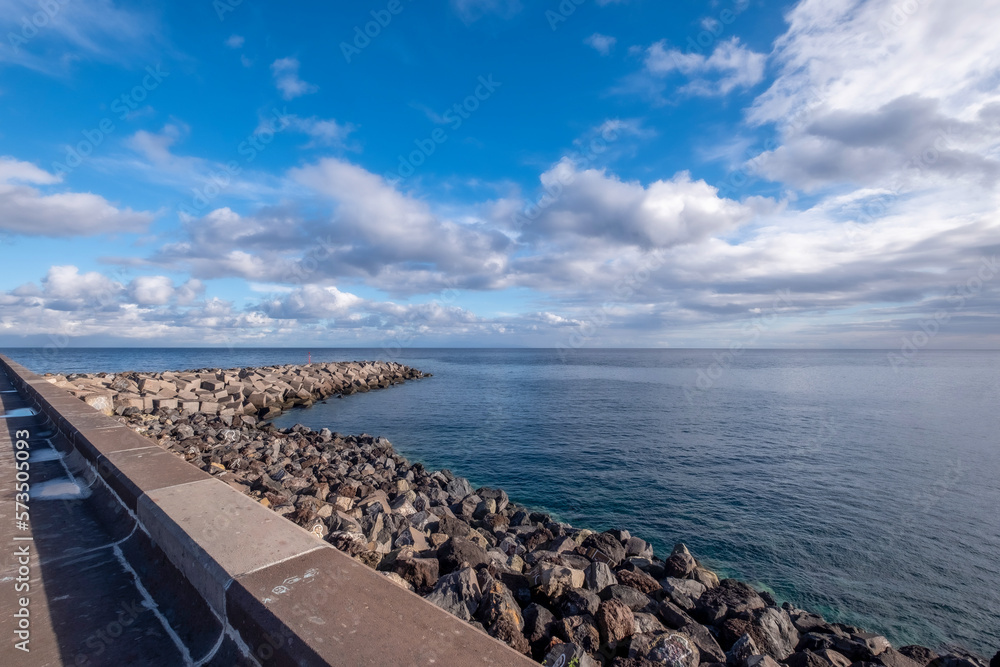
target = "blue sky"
x: 495, y: 172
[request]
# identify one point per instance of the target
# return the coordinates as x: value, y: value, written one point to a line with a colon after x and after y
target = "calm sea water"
x: 866, y: 493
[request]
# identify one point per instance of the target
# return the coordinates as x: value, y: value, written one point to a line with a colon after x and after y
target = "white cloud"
x: 235, y: 41
x: 26, y: 210
x: 324, y: 132
x: 286, y: 78
x: 601, y: 43
x: 730, y: 66
x: 99, y: 30
x: 471, y: 11
x: 870, y: 95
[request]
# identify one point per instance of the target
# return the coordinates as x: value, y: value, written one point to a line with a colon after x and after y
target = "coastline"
x: 524, y: 578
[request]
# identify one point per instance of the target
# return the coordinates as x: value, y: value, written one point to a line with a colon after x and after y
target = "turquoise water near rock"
x: 867, y: 492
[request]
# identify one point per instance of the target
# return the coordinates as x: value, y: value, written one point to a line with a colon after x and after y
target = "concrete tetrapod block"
x: 213, y: 533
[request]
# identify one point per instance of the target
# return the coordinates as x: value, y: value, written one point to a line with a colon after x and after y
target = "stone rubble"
x: 562, y: 595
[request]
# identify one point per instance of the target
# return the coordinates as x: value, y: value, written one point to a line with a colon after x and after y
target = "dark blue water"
x: 867, y: 493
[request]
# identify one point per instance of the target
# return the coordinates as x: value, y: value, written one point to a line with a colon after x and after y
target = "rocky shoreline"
x: 562, y: 595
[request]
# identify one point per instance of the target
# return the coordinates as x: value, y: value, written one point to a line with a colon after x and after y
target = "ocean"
x: 847, y: 483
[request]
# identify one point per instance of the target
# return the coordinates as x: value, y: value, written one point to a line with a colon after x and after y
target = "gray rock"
x: 672, y: 615
x: 604, y: 548
x: 538, y: 623
x: 458, y: 593
x: 457, y: 551
x: 774, y: 633
x: 499, y: 496
x: 890, y: 657
x: 680, y: 563
x: 647, y: 624
x: 581, y: 630
x: 741, y: 652
x: 631, y: 598
x: 599, y: 576
x: 459, y: 488
x: 578, y: 601
x: 670, y: 648
x: 638, y: 548
x: 729, y: 598
x: 923, y: 655
x: 683, y: 592
x: 568, y: 654
x: 708, y: 648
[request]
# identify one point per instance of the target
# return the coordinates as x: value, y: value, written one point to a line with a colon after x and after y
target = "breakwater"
x: 487, y: 560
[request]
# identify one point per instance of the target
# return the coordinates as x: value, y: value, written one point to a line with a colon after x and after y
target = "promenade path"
x: 97, y: 593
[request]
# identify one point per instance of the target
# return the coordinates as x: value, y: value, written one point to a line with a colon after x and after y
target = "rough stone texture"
x: 599, y: 576
x: 670, y: 648
x: 638, y: 580
x: 742, y: 650
x: 458, y: 593
x: 728, y: 598
x: 615, y: 621
x: 605, y: 548
x: 563, y: 655
x: 774, y: 633
x: 458, y: 551
x: 580, y: 630
x: 922, y: 655
x: 680, y: 563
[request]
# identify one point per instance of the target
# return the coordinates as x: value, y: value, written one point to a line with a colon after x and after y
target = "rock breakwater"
x: 258, y: 392
x: 563, y: 595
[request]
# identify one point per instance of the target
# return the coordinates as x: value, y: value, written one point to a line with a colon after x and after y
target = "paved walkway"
x: 96, y: 592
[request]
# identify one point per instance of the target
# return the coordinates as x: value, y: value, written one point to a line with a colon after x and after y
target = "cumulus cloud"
x: 595, y: 205
x: 235, y: 41
x: 601, y: 43
x: 29, y: 211
x: 730, y: 66
x: 323, y: 132
x: 286, y: 78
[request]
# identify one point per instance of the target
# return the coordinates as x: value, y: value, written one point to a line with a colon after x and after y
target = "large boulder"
x: 774, y: 633
x: 639, y: 580
x: 578, y: 601
x: 680, y: 563
x: 420, y: 572
x: 708, y: 648
x: 457, y: 551
x: 683, y: 592
x: 459, y: 488
x: 458, y: 593
x: 496, y: 603
x: 741, y: 651
x: 631, y: 598
x: 551, y: 579
x: 538, y: 624
x: 599, y: 576
x: 671, y: 649
x: 923, y: 655
x: 604, y: 548
x: 615, y: 621
x: 730, y: 597
x: 563, y: 655
x: 581, y: 630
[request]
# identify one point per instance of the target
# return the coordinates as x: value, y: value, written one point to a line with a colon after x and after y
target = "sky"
x: 583, y: 173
